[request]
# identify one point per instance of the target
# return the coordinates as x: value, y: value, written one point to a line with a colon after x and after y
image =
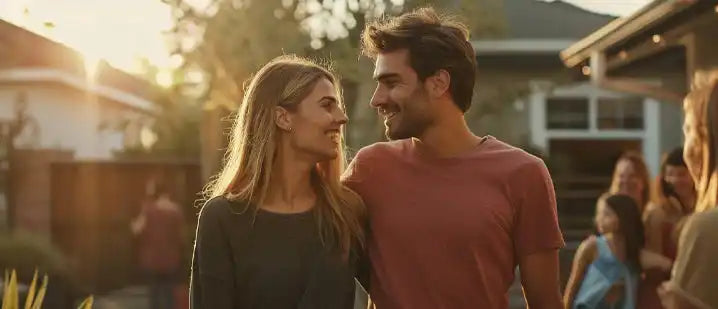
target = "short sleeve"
x: 356, y: 176
x: 695, y: 272
x: 212, y: 280
x: 536, y: 225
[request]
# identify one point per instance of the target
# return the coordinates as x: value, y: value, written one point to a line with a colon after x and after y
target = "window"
x: 620, y: 113
x: 567, y: 113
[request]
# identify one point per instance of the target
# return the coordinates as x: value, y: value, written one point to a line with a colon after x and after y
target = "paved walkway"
x: 136, y: 297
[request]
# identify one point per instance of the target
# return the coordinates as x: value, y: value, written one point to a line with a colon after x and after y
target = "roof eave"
x: 622, y: 29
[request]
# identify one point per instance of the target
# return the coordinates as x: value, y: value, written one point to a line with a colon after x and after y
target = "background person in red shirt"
x: 160, y: 229
x: 451, y: 214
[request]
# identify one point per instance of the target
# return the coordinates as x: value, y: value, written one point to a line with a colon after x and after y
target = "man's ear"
x: 438, y: 84
x: 282, y: 118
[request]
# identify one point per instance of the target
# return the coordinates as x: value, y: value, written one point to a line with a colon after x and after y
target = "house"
x: 661, y: 51
x: 71, y: 104
x: 56, y: 105
x: 526, y: 96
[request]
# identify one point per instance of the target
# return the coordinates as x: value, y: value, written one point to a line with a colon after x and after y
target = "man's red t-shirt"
x: 448, y: 232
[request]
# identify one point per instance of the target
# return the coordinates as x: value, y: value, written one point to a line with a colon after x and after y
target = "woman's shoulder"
x: 220, y: 207
x: 705, y: 222
x: 656, y: 209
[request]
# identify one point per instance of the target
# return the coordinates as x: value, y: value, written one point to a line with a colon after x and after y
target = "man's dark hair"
x: 434, y: 42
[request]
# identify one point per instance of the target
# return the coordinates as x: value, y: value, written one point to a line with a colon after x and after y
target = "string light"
x: 656, y: 38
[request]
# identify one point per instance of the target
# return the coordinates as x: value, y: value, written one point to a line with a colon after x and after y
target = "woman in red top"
x: 675, y: 197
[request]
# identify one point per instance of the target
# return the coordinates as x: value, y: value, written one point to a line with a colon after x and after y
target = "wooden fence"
x: 92, y: 206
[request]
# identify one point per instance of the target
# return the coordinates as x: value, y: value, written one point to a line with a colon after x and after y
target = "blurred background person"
x: 606, y: 267
x: 160, y: 229
x: 674, y: 198
x: 631, y: 177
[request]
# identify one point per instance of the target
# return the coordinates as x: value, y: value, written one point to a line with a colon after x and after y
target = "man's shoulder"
x: 382, y: 149
x: 513, y: 155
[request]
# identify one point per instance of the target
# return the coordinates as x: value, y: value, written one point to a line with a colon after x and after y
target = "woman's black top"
x: 267, y: 261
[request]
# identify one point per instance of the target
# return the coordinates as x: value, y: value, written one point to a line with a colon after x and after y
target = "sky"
x: 136, y: 26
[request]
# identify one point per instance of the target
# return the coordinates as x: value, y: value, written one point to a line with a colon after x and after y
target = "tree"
x: 175, y: 126
x: 229, y: 39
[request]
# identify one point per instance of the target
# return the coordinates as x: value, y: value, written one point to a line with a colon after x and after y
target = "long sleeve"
x: 212, y: 279
x: 695, y: 270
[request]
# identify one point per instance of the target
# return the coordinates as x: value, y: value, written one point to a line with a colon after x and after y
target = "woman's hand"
x: 671, y: 298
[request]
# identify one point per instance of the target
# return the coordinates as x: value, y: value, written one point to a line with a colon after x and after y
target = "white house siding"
x: 662, y: 122
x: 671, y: 123
x: 67, y: 119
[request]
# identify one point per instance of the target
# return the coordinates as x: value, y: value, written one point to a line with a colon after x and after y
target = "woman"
x: 675, y: 197
x: 630, y: 177
x: 279, y: 230
x: 694, y: 281
x: 606, y: 267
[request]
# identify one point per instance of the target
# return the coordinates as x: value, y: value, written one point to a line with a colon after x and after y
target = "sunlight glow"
x: 164, y: 79
x: 147, y: 137
x: 91, y: 64
x: 118, y: 31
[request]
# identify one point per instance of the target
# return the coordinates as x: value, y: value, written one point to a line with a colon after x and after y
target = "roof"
x: 623, y: 30
x: 533, y: 19
x: 27, y: 50
x: 540, y: 27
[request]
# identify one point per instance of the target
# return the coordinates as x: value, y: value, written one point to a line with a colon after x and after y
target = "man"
x: 451, y: 214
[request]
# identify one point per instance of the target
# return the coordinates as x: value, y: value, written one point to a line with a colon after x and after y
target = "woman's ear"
x: 282, y: 118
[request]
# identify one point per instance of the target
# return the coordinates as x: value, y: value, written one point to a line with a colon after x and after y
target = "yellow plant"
x: 32, y: 301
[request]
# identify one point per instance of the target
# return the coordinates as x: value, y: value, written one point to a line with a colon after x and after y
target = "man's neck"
x: 448, y: 138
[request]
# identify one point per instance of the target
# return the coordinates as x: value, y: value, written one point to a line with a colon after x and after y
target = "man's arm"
x: 540, y: 279
x: 537, y: 236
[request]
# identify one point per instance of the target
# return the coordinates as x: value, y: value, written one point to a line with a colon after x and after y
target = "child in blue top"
x: 606, y: 267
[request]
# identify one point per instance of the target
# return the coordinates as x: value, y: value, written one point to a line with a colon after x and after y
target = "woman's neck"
x: 290, y: 188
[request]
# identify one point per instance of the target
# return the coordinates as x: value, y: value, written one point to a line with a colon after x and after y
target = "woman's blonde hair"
x: 641, y: 171
x: 702, y: 103
x: 285, y: 81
